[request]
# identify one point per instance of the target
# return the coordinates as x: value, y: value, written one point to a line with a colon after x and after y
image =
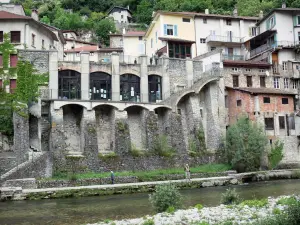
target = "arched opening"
x: 155, y: 88
x: 69, y: 84
x: 100, y: 86
x: 130, y: 88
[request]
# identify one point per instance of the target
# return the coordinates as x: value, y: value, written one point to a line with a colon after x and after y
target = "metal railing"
x: 218, y: 38
x: 232, y: 57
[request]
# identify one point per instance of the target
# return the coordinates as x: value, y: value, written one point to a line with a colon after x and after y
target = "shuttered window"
x: 13, y: 85
x: 1, y: 83
x: 1, y: 36
x: 13, y: 60
x: 15, y: 36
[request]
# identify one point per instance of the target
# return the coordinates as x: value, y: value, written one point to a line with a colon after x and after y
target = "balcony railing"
x: 232, y: 57
x: 268, y: 46
x: 225, y: 39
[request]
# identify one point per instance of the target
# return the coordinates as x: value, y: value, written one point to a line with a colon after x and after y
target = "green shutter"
x: 268, y: 24
x: 274, y: 20
x: 295, y: 21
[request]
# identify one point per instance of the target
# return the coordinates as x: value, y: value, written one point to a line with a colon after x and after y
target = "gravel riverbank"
x: 238, y: 214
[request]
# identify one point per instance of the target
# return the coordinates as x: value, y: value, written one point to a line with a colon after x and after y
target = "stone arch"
x: 183, y: 95
x: 62, y: 104
x: 155, y: 87
x: 136, y: 106
x: 100, y: 85
x: 165, y: 107
x: 69, y: 84
x: 198, y: 89
x: 130, y: 87
x: 100, y: 104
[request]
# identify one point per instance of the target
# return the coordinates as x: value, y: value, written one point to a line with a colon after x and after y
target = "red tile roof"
x: 262, y: 90
x: 80, y: 41
x: 8, y: 15
x: 134, y: 34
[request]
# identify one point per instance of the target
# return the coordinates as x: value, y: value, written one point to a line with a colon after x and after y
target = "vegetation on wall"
x: 275, y: 155
x: 245, y: 144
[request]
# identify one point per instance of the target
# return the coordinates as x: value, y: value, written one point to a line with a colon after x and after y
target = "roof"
x: 60, y: 34
x: 70, y: 31
x: 79, y: 41
x: 277, y: 10
x: 93, y: 49
x: 134, y: 34
x: 119, y: 7
x: 246, y: 63
x: 176, y: 40
x: 195, y: 14
x: 262, y: 90
x: 11, y: 16
x: 118, y: 35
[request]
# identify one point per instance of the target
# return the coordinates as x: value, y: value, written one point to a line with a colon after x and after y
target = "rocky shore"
x: 242, y: 213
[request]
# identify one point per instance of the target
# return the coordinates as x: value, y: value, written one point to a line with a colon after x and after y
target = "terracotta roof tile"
x: 134, y: 33
x: 8, y: 15
x: 262, y: 90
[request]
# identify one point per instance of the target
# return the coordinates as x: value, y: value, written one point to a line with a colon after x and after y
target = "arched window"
x: 100, y: 86
x: 154, y: 88
x: 130, y: 88
x: 69, y: 84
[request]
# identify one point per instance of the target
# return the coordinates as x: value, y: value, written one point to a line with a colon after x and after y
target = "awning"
x: 261, y: 37
x: 176, y: 40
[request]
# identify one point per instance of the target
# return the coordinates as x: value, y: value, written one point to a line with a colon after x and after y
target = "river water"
x: 77, y: 211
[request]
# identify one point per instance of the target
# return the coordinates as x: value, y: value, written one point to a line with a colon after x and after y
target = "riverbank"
x: 16, y: 192
x: 247, y: 212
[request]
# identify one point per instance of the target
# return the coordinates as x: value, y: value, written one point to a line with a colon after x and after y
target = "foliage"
x: 103, y: 29
x: 6, y: 113
x: 199, y: 206
x: 245, y: 144
x: 230, y: 197
x: 135, y: 152
x: 149, y: 222
x: 170, y: 209
x: 276, y: 211
x: 144, y: 12
x: 255, y: 203
x: 287, y: 201
x: 165, y: 196
x: 111, y: 155
x: 161, y: 147
x: 276, y: 154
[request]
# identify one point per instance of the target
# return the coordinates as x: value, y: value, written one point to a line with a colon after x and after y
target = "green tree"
x: 103, y: 29
x: 144, y: 12
x: 245, y: 144
x: 45, y: 19
x: 253, y: 7
x: 276, y: 154
x: 168, y: 5
x: 195, y: 5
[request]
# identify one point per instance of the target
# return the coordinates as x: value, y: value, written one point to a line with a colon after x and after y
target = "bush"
x: 170, y: 210
x: 287, y: 201
x: 199, y: 206
x: 161, y: 147
x: 276, y: 155
x: 245, y: 144
x: 135, y: 152
x: 255, y: 203
x: 149, y: 222
x: 230, y: 197
x: 164, y: 197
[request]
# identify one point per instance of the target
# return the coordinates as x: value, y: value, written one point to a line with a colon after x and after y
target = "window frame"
x: 276, y: 82
x: 298, y: 20
x: 202, y: 40
x: 170, y: 29
x: 284, y: 101
x: 204, y: 20
x: 186, y: 20
x: 267, y: 100
x: 228, y: 22
x: 281, y: 122
x: 1, y: 36
x: 239, y: 102
x: 249, y: 81
x: 235, y: 80
x: 286, y: 83
x: 262, y: 78
x: 19, y: 36
x: 284, y: 66
x: 268, y: 122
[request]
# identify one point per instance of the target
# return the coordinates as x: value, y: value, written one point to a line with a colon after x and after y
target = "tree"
x: 168, y: 5
x: 144, y: 12
x: 195, y: 5
x: 253, y: 7
x: 245, y: 144
x: 103, y: 29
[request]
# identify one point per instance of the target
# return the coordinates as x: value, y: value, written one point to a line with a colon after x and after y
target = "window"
x: 155, y: 88
x: 151, y: 42
x: 212, y: 48
x: 179, y: 50
x: 298, y: 36
x: 261, y: 71
x: 156, y: 36
x: 15, y: 36
x: 1, y: 36
x: 284, y: 65
x: 122, y: 16
x: 269, y: 123
x: 291, y: 122
x: 239, y: 102
x: 298, y: 20
x: 202, y: 40
x: 91, y: 53
x: 140, y: 38
x: 295, y: 84
x: 281, y: 122
x: 170, y: 30
x: 271, y: 22
x: 235, y: 80
x: 13, y: 60
x: 286, y: 82
x: 276, y: 82
x: 204, y: 20
x: 248, y: 70
x: 267, y: 100
x: 285, y: 101
x: 252, y: 31
x: 186, y: 20
x: 228, y: 22
x: 33, y: 39
x: 43, y: 44
x: 262, y: 81
x: 235, y: 69
x: 77, y: 54
x: 12, y: 85
x: 249, y: 81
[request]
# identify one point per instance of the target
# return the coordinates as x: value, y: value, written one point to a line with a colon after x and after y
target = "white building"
x: 120, y: 14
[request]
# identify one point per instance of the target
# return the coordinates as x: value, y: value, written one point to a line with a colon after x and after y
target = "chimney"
x: 206, y: 11
x: 235, y: 12
x: 283, y: 5
x: 261, y: 14
x: 34, y: 14
x: 128, y: 7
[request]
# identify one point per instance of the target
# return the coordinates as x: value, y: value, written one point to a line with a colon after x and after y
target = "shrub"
x: 135, y: 152
x: 149, y: 222
x: 165, y: 196
x: 170, y: 209
x: 161, y: 147
x: 276, y: 154
x: 255, y: 203
x: 276, y: 211
x: 287, y: 201
x: 111, y: 155
x: 245, y: 144
x: 199, y: 206
x: 230, y: 197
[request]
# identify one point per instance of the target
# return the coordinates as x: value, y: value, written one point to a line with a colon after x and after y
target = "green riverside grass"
x: 146, y: 175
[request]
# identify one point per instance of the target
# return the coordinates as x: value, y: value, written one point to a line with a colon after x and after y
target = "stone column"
x: 115, y: 76
x: 165, y: 78
x: 144, y: 79
x: 85, y: 75
x: 122, y: 142
x: 189, y: 72
x: 53, y: 75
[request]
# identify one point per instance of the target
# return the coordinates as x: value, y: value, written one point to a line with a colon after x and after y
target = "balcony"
x: 223, y: 39
x: 233, y: 57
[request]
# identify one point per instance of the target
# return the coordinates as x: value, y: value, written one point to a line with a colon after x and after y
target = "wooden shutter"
x: 175, y: 30
x: 1, y: 83
x: 13, y: 85
x: 1, y: 36
x: 165, y: 29
x: 13, y: 60
x: 1, y: 61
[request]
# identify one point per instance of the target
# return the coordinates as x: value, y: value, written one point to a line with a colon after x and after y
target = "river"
x: 77, y: 211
